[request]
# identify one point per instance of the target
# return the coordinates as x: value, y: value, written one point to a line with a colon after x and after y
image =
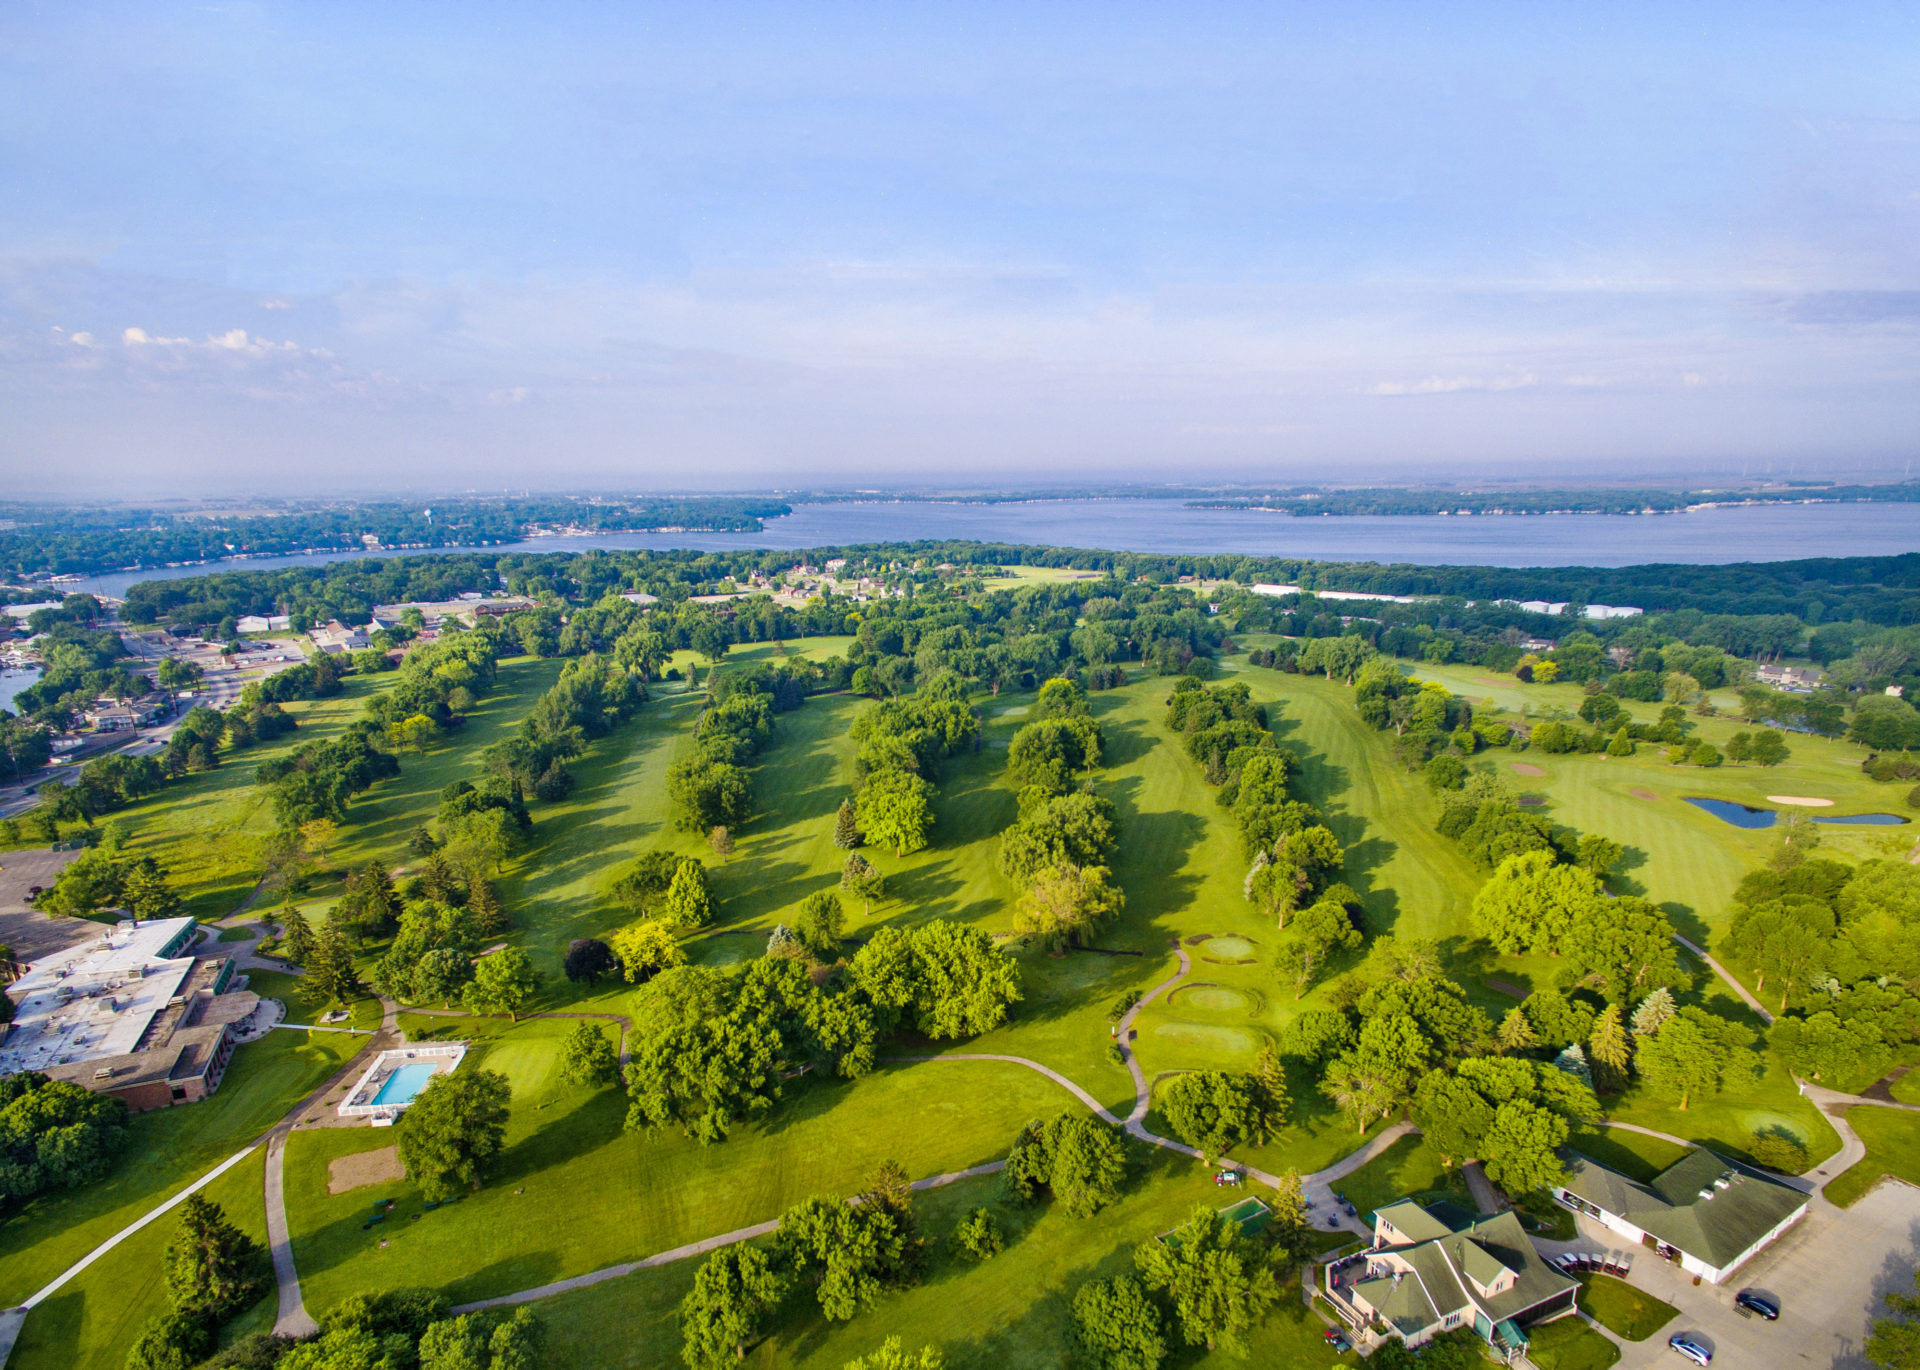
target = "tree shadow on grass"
x: 1688, y: 924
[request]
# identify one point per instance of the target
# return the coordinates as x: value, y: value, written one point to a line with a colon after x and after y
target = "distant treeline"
x: 71, y: 540
x: 1875, y: 590
x: 1308, y: 502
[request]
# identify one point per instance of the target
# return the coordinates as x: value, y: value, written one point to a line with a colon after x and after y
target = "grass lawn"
x: 93, y: 1320
x: 170, y: 1148
x: 1892, y: 1136
x: 1406, y: 1168
x: 1009, y: 1313
x: 595, y: 1195
x: 1570, y: 1344
x: 1623, y: 1310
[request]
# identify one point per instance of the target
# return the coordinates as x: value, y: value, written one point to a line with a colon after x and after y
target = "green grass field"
x: 1623, y: 1310
x: 574, y: 1192
x: 1892, y: 1136
x: 1570, y: 1344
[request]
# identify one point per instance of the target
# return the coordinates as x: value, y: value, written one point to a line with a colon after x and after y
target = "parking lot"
x: 1828, y: 1273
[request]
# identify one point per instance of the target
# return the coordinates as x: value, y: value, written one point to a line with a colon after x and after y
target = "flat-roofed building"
x: 129, y: 1013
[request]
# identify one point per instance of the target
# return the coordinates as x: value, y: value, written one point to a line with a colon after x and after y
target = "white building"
x: 1704, y: 1212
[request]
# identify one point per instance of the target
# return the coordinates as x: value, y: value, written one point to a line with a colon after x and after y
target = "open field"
x: 1893, y: 1148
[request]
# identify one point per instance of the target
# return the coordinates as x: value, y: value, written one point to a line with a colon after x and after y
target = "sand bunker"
x: 1647, y: 795
x: 1801, y: 800
x: 363, y: 1168
x: 1524, y: 768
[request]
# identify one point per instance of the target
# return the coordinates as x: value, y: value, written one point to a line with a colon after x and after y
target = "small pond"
x: 1746, y: 816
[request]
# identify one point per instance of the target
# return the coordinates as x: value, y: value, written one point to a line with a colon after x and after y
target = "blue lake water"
x: 1747, y: 816
x: 1705, y: 537
x: 12, y: 683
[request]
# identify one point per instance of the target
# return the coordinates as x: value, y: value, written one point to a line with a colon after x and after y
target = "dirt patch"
x: 1524, y: 768
x: 363, y: 1168
x: 1801, y: 800
x: 1647, y: 795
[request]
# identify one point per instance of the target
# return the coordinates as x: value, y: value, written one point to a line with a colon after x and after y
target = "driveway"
x: 1829, y: 1273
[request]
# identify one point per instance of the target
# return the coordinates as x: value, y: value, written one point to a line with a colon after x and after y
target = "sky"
x: 303, y: 248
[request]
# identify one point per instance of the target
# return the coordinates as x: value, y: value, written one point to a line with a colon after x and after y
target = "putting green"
x: 1203, y: 1045
x: 1228, y: 948
x: 1213, y: 998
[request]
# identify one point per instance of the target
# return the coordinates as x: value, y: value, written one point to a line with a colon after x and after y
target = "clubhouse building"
x: 1707, y: 1214
x: 1434, y: 1268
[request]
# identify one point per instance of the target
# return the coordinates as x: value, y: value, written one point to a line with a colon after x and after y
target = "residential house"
x: 263, y: 623
x: 1796, y: 679
x: 1706, y: 1213
x: 335, y: 637
x: 1434, y: 1268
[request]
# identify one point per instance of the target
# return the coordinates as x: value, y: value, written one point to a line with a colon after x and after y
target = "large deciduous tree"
x: 1216, y: 1278
x: 734, y: 1293
x: 452, y: 1129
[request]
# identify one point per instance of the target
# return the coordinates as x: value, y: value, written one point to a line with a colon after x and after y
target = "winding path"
x: 1746, y: 995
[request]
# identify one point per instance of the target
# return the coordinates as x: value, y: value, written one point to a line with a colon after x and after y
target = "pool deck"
x: 362, y: 1101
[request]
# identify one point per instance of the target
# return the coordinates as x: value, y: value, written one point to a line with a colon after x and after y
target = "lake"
x: 12, y: 683
x: 1704, y: 537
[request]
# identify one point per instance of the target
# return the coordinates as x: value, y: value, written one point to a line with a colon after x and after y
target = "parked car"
x: 1691, y: 1349
x: 1763, y: 1304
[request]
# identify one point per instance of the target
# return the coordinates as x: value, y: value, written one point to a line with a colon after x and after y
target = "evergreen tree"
x: 1654, y: 1011
x: 861, y: 878
x: 488, y: 916
x: 1516, y: 1033
x: 1271, y: 1098
x: 846, y: 827
x: 213, y: 1268
x: 330, y: 967
x: 1622, y: 745
x: 1573, y: 1061
x: 296, y: 935
x: 687, y: 903
x: 1609, y: 1045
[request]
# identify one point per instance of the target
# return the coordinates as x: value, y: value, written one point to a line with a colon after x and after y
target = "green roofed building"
x: 1709, y: 1214
x: 1434, y: 1268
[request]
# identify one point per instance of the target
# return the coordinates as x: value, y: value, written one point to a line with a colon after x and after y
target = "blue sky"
x: 341, y: 246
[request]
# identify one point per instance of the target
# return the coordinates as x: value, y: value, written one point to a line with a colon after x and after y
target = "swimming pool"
x: 406, y: 1082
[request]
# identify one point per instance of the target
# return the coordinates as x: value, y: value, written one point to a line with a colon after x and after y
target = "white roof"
x: 95, y: 999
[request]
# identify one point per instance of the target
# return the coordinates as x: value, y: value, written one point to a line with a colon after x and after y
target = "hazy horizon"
x: 293, y: 249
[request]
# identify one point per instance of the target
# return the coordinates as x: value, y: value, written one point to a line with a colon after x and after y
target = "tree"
x: 1894, y: 1342
x: 721, y: 841
x: 892, y: 1355
x: 587, y: 1057
x: 296, y: 935
x: 443, y: 974
x: 212, y: 1267
x: 1116, y: 1326
x: 589, y: 958
x: 979, y: 1236
x: 504, y: 982
x: 1654, y: 1010
x: 821, y: 923
x: 1610, y: 1046
x: 1598, y: 855
x: 330, y: 967
x: 688, y: 903
x: 848, y: 1253
x: 1529, y: 902
x: 1271, y: 1096
x: 1067, y: 904
x: 1314, y: 937
x: 946, y: 979
x: 1516, y: 1033
x: 1211, y: 1110
x: 1694, y: 1055
x: 145, y: 893
x: 895, y: 808
x: 1081, y: 1161
x: 1215, y: 1277
x: 734, y: 1293
x: 1572, y: 1060
x: 1625, y: 946
x: 483, y: 900
x: 1622, y: 744
x: 452, y: 1129
x: 1770, y: 747
x: 1521, y: 1147
x: 172, y: 1341
x: 846, y: 827
x: 860, y: 878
